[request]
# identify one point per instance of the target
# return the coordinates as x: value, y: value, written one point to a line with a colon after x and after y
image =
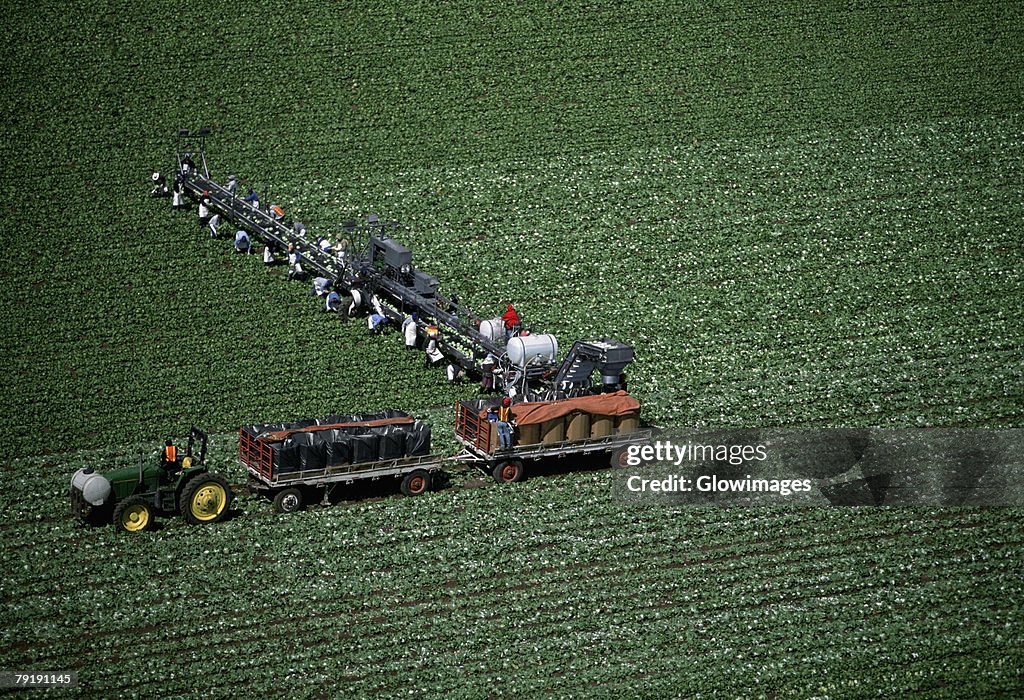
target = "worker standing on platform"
x: 505, y: 418
x: 487, y: 368
x: 409, y: 330
x: 512, y: 321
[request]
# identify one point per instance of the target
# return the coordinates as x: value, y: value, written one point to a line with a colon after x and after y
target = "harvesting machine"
x: 380, y: 269
x: 132, y: 497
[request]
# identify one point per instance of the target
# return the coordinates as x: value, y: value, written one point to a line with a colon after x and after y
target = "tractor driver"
x: 169, y: 457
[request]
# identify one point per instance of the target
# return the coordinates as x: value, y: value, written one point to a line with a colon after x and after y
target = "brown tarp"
x: 617, y: 404
x: 282, y: 434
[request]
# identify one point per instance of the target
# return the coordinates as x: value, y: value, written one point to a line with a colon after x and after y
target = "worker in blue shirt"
x: 376, y: 323
x: 242, y: 244
x: 333, y: 302
x: 252, y: 198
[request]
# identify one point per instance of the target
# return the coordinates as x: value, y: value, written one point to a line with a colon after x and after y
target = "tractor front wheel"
x: 288, y: 501
x: 416, y: 483
x: 205, y: 499
x: 134, y: 514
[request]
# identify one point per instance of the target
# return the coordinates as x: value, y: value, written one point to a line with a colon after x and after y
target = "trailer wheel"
x: 134, y: 514
x: 511, y: 471
x: 288, y: 501
x: 416, y: 483
x: 205, y: 499
x: 619, y: 456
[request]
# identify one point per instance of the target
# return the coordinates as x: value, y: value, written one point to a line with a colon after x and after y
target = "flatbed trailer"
x: 291, y: 490
x: 482, y: 451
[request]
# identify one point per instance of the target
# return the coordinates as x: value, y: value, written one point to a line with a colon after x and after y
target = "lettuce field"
x: 800, y: 214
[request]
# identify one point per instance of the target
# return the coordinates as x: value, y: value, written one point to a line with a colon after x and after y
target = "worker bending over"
x: 333, y: 302
x: 242, y: 243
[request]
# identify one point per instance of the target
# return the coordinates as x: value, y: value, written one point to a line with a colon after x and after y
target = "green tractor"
x: 132, y: 497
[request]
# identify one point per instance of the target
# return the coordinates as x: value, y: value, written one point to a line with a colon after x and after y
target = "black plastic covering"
x: 356, y: 444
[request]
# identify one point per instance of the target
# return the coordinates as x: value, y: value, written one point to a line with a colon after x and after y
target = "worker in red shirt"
x: 511, y: 319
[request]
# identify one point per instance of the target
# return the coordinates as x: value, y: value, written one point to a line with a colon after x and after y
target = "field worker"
x: 213, y: 224
x: 159, y: 185
x: 232, y: 185
x: 295, y: 271
x: 268, y: 255
x: 375, y: 303
x: 187, y: 165
x: 511, y: 319
x: 341, y: 248
x: 276, y: 212
x: 321, y: 285
x: 252, y: 198
x: 242, y: 244
x: 510, y: 380
x: 505, y: 418
x: 178, y: 199
x: 204, y: 210
x: 455, y: 374
x: 487, y: 373
x: 299, y: 228
x: 409, y: 330
x: 433, y: 352
x: 376, y: 323
x: 324, y: 245
x: 333, y: 302
x: 357, y: 301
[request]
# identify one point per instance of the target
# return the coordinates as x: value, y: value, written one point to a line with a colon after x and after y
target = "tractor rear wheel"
x: 205, y: 499
x: 511, y: 471
x: 134, y: 514
x: 288, y: 501
x: 416, y: 483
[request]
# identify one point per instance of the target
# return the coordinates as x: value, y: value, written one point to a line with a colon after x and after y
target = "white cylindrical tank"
x: 493, y: 330
x: 94, y: 487
x: 532, y: 348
